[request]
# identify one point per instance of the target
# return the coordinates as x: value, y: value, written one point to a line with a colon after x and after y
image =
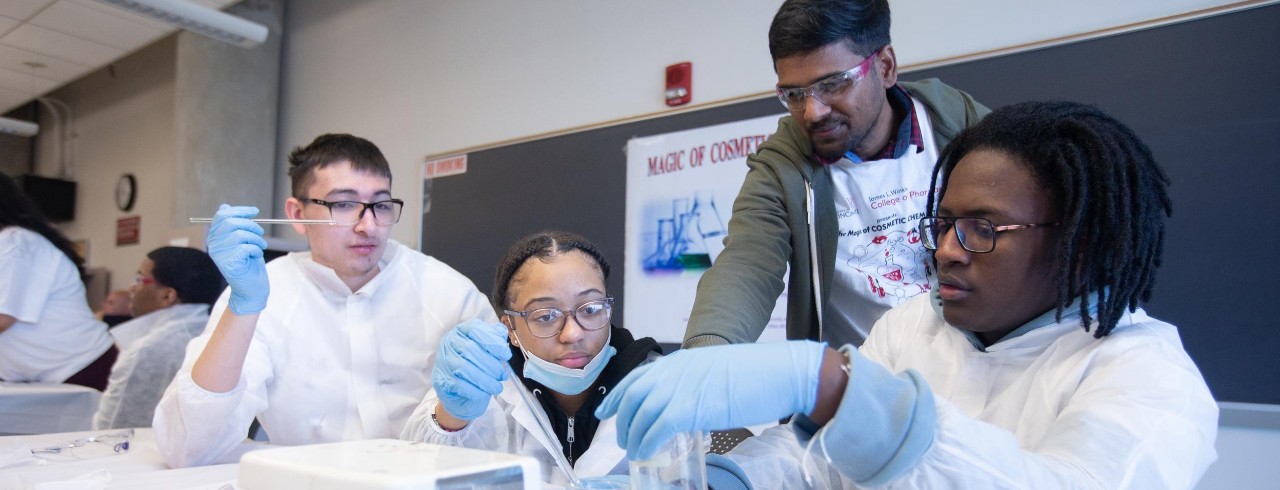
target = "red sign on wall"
x: 441, y: 167
x: 128, y: 230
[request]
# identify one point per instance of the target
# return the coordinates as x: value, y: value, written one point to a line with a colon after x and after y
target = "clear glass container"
x: 678, y: 464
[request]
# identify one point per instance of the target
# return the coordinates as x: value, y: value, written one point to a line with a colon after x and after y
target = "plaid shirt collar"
x: 908, y: 132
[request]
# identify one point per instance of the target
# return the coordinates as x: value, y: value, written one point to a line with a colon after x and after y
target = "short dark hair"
x: 188, y: 271
x: 16, y: 209
x: 804, y: 26
x: 542, y: 245
x: 328, y: 149
x: 1112, y: 195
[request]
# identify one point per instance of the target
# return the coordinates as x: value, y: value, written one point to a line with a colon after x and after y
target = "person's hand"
x: 712, y: 388
x: 469, y: 368
x: 235, y: 243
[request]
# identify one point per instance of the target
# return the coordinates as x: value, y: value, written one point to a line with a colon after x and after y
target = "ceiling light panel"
x: 22, y: 9
x: 65, y: 47
x: 22, y: 61
x: 124, y: 14
x: 11, y: 99
x: 7, y: 24
x: 24, y: 83
x: 97, y: 26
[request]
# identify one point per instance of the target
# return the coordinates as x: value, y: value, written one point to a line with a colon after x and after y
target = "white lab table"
x: 141, y: 468
x: 37, y: 408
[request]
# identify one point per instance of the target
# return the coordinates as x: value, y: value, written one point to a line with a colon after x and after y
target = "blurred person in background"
x: 116, y: 308
x: 48, y: 334
x: 172, y: 294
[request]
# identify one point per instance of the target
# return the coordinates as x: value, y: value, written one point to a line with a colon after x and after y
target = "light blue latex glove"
x: 713, y: 388
x: 236, y: 246
x: 469, y: 367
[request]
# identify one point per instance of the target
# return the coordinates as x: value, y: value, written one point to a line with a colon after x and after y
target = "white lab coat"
x: 1051, y: 408
x: 55, y: 335
x: 147, y: 364
x: 325, y: 364
x: 508, y: 426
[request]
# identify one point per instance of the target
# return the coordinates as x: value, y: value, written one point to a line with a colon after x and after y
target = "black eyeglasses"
x: 345, y: 213
x: 976, y: 235
x: 545, y: 323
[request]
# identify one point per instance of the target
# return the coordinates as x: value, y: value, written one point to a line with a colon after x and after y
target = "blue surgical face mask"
x: 565, y: 380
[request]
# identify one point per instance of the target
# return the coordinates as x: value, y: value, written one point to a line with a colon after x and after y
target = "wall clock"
x: 126, y: 192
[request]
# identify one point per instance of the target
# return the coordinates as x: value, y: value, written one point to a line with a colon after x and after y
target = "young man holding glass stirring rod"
x: 328, y: 345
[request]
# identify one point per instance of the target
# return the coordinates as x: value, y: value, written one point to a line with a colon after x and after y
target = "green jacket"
x: 769, y: 232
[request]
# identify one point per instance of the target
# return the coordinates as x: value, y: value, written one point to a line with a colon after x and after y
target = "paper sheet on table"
x: 93, y: 480
x: 14, y: 452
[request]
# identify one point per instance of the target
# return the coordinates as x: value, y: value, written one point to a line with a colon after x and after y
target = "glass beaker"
x: 616, y: 482
x: 678, y: 464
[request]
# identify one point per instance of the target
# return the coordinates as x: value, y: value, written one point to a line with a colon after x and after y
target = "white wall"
x: 124, y: 119
x: 424, y: 78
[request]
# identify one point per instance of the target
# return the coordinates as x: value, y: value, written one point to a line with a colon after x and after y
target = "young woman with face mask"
x: 549, y: 291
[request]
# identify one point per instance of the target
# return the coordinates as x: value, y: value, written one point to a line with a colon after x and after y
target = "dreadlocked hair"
x: 541, y: 245
x: 1111, y: 194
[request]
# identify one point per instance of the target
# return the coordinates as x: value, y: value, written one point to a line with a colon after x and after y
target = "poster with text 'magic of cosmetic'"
x: 680, y: 191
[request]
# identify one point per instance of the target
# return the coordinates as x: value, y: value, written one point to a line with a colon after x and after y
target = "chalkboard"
x: 575, y: 182
x: 1204, y: 94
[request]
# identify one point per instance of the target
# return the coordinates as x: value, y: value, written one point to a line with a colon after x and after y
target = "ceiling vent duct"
x: 198, y: 19
x: 18, y: 127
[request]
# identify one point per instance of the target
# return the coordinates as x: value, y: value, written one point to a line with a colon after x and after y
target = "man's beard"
x: 831, y: 152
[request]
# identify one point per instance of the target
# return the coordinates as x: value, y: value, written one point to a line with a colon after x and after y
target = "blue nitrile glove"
x: 469, y: 368
x: 236, y: 246
x: 713, y: 388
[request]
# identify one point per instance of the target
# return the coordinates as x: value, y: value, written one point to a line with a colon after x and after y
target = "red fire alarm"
x: 679, y: 84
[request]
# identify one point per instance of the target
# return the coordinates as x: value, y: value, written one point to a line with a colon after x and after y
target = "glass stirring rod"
x: 275, y: 221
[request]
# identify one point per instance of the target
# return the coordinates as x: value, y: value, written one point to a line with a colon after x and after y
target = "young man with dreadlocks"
x: 1031, y: 365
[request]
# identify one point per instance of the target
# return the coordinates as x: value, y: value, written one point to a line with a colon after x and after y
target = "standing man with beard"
x: 329, y: 345
x: 835, y: 194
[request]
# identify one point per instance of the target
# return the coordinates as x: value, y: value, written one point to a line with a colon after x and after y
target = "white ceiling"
x: 45, y: 44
